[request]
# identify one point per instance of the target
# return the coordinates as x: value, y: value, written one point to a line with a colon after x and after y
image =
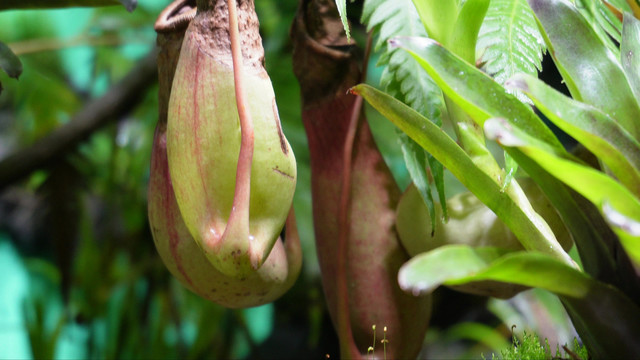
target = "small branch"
x: 40, y: 45
x: 118, y: 101
x: 51, y: 4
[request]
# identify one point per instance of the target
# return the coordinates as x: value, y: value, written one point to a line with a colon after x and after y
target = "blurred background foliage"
x: 79, y: 276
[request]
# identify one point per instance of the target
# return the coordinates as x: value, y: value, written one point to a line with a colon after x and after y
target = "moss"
x: 531, y: 348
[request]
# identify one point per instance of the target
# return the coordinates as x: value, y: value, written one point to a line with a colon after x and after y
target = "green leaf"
x: 9, y: 62
x: 415, y: 158
x: 511, y: 167
x: 402, y: 76
x: 630, y: 52
x: 342, y: 10
x: 438, y: 18
x: 603, y: 21
x: 605, y: 318
x: 461, y: 264
x: 627, y: 229
x: 437, y: 172
x: 460, y: 81
x: 465, y: 31
x: 427, y: 271
x: 618, y: 4
x: 590, y: 70
x: 594, y: 129
x: 509, y: 41
x: 511, y: 207
x: 594, y: 185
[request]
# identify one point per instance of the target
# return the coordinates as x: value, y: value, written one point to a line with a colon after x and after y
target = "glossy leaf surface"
x: 594, y: 185
x: 590, y: 70
x: 460, y: 81
x: 595, y: 130
x: 630, y: 52
x: 609, y: 330
x: 533, y: 233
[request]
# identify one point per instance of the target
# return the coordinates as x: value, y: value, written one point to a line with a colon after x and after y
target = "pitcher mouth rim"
x: 172, y: 19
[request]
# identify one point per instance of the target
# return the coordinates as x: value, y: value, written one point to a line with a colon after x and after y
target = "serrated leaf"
x: 510, y: 42
x: 342, y: 10
x: 403, y: 78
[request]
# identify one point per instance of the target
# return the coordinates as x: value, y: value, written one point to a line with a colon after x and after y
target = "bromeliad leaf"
x: 584, y: 296
x: 627, y: 229
x: 591, y: 127
x: 425, y: 272
x: 590, y: 70
x: 605, y: 23
x: 509, y: 41
x: 594, y: 185
x: 460, y: 81
x: 438, y: 18
x: 512, y: 207
x: 630, y: 52
x: 416, y: 161
x: 465, y: 32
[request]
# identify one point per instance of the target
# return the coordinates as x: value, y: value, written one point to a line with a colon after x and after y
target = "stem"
x: 118, y: 101
x: 238, y: 222
x: 348, y: 349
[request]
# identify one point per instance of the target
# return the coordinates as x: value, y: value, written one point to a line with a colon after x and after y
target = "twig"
x: 40, y: 45
x: 118, y: 101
